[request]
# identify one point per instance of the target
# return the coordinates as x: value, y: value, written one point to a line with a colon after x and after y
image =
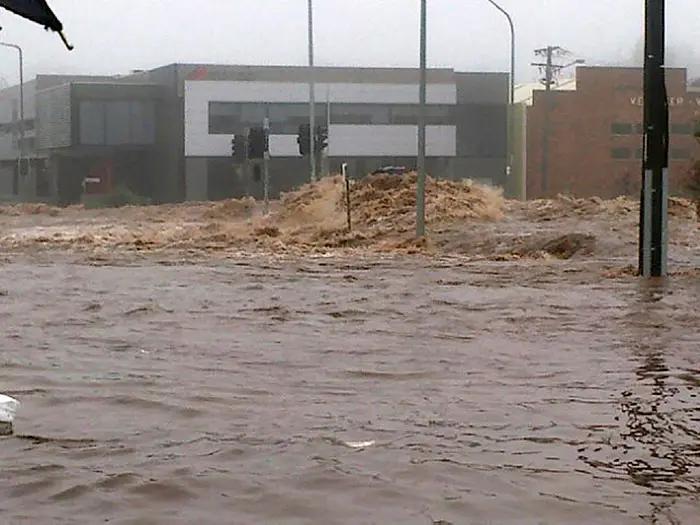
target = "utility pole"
x: 653, y: 212
x: 550, y: 72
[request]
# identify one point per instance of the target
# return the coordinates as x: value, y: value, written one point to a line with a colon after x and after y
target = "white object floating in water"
x: 359, y: 444
x: 8, y: 408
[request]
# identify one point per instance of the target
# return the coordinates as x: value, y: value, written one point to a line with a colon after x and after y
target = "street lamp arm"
x: 506, y: 14
x: 21, y: 75
x: 13, y: 46
x: 511, y: 26
x: 20, y: 145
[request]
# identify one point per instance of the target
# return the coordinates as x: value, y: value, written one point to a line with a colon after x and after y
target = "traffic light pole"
x: 327, y: 168
x: 266, y: 168
x: 653, y: 211
x: 420, y: 183
x: 246, y: 171
x: 312, y: 90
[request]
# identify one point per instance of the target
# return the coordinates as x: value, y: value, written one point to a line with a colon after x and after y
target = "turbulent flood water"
x: 387, y: 391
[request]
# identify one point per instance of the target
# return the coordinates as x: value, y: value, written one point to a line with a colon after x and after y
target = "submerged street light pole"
x: 653, y: 210
x: 20, y: 143
x: 312, y: 93
x: 422, y: 100
x: 511, y: 96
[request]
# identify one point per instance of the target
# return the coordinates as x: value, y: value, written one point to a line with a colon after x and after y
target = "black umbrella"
x: 37, y: 11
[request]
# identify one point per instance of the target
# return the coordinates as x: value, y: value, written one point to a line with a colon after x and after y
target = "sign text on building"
x: 673, y: 102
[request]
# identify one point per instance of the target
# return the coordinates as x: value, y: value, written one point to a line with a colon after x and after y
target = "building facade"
x: 76, y: 129
x: 18, y: 169
x: 372, y: 117
x: 596, y: 137
x: 166, y: 133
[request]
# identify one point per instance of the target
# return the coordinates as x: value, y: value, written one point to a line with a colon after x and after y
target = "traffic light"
x: 304, y: 139
x: 238, y: 147
x: 258, y: 143
x: 321, y: 138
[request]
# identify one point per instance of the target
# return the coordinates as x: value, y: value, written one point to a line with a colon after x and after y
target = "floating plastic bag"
x: 358, y: 444
x: 8, y: 408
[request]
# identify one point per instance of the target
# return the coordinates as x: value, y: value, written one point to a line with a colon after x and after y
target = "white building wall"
x: 344, y: 140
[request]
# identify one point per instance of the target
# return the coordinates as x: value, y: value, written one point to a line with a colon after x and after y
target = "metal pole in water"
x: 511, y: 100
x: 420, y: 184
x: 327, y: 167
x: 348, y: 210
x: 21, y: 109
x: 653, y: 214
x: 246, y: 162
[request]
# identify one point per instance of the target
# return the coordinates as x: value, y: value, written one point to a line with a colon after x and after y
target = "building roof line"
x: 302, y: 67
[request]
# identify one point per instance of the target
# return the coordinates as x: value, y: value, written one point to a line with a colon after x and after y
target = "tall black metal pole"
x: 653, y: 215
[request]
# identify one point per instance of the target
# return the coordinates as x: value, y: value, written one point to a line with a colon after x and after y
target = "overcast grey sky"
x: 116, y: 36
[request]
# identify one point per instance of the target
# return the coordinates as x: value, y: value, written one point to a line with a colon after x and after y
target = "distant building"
x: 11, y: 184
x: 166, y: 133
x: 525, y: 93
x: 595, y: 133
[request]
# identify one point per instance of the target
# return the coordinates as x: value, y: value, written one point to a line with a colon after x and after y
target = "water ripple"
x: 250, y: 392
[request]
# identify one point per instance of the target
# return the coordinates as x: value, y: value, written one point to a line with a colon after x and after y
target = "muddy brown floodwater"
x: 513, y: 372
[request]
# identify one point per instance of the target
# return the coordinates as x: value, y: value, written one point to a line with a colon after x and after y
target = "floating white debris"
x: 359, y: 444
x: 8, y: 408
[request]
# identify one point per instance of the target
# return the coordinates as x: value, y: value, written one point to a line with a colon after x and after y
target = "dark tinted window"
x: 481, y: 130
x: 117, y: 122
x: 92, y: 123
x: 142, y: 122
x: 679, y: 154
x: 621, y: 128
x: 227, y: 118
x: 363, y: 114
x: 681, y: 129
x: 621, y: 153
